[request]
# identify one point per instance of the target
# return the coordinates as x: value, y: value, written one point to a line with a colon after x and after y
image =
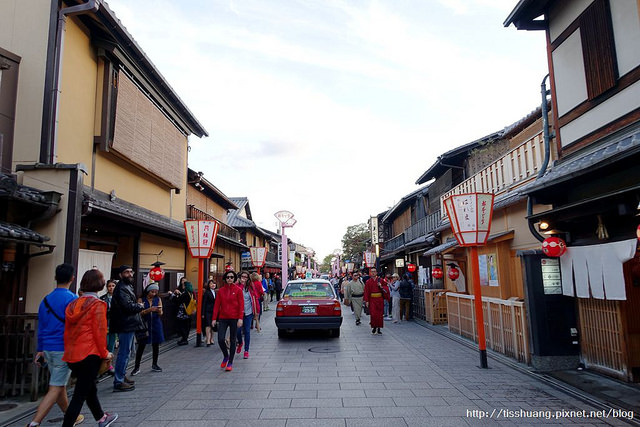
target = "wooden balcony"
x: 225, y: 230
x: 423, y: 227
x: 395, y: 243
x: 514, y: 169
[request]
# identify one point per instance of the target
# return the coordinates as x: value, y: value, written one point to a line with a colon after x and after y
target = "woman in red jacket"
x: 85, y: 345
x: 227, y: 313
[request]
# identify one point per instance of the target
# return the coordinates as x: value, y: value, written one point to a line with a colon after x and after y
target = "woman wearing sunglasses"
x: 228, y: 312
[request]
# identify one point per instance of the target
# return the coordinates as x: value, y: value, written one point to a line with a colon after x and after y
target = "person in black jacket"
x: 181, y: 296
x: 406, y: 295
x: 208, y: 301
x: 124, y: 320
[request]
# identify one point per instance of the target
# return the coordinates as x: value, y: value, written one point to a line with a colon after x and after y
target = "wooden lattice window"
x: 598, y: 49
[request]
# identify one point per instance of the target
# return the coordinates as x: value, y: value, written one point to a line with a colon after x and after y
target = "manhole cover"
x: 324, y: 349
x: 7, y: 406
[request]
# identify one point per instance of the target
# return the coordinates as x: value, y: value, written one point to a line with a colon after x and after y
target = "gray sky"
x: 332, y: 109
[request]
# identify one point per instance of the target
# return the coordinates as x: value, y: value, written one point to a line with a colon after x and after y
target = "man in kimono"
x: 376, y: 292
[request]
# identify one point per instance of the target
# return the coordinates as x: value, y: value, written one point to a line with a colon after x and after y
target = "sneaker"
x: 156, y: 368
x: 79, y: 420
x: 229, y: 367
x: 224, y: 363
x: 129, y: 381
x: 379, y: 332
x: 358, y: 322
x: 123, y: 387
x: 246, y: 354
x: 239, y: 348
x: 135, y: 371
x: 108, y: 420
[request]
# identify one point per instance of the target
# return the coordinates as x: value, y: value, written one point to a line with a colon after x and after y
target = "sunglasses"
x: 230, y: 277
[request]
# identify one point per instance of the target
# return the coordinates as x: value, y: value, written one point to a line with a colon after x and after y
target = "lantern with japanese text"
x: 436, y: 272
x: 411, y: 268
x: 470, y: 218
x: 453, y: 273
x: 554, y: 246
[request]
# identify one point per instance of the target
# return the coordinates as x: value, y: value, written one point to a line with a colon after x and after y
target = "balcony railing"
x: 225, y: 230
x: 423, y: 227
x: 512, y: 170
x: 395, y: 243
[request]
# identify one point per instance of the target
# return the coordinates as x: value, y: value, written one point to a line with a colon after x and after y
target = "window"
x: 596, y: 33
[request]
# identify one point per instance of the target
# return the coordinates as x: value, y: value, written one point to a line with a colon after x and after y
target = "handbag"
x: 142, y: 334
x: 104, y: 366
x: 191, y: 308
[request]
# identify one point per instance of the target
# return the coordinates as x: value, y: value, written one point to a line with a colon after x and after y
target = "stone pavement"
x: 409, y: 376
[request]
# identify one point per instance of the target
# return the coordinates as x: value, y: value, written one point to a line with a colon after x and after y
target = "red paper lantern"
x: 453, y: 273
x: 436, y: 272
x: 411, y: 268
x: 554, y: 246
x: 156, y: 274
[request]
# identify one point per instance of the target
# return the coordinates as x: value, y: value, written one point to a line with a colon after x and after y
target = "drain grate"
x: 7, y: 406
x: 324, y: 349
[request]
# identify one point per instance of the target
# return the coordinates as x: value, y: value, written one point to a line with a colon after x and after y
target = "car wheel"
x: 281, y: 333
x: 335, y: 332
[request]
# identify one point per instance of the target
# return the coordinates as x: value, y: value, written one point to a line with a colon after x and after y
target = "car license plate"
x: 308, y: 309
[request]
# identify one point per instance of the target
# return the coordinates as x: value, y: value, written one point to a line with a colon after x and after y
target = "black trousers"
x: 155, y: 350
x: 86, y: 373
x: 183, y: 326
x: 232, y: 325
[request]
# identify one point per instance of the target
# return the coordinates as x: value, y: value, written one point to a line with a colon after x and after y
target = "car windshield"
x: 308, y: 289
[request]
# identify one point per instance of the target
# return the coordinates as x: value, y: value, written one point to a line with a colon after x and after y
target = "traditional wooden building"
x: 591, y: 196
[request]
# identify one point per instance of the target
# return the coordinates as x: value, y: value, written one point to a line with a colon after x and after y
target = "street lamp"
x: 286, y: 220
x: 470, y: 217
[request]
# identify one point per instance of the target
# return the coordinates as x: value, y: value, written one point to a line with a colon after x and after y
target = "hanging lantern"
x: 453, y: 273
x: 638, y: 232
x: 411, y: 268
x: 436, y: 272
x: 554, y: 246
x: 156, y: 274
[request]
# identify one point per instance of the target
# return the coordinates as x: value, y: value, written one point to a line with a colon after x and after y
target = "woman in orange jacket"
x: 228, y: 313
x: 85, y: 345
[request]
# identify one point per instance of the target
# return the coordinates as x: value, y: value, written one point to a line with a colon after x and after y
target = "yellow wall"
x: 24, y: 31
x: 173, y: 252
x: 205, y: 204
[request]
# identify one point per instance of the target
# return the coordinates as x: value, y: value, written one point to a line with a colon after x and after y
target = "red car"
x: 308, y: 304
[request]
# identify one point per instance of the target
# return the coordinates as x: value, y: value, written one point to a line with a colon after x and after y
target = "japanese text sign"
x: 470, y: 217
x: 258, y: 256
x: 201, y: 237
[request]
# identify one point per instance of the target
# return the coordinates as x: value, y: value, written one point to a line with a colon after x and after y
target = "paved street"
x: 409, y: 376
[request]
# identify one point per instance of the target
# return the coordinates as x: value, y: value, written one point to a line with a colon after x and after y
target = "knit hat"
x: 123, y: 268
x: 153, y: 286
x: 188, y: 286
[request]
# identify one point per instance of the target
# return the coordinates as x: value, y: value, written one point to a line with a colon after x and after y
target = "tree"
x: 354, y: 241
x: 325, y: 267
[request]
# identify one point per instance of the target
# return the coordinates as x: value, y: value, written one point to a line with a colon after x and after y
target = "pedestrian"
x: 85, y: 338
x: 181, y: 296
x: 375, y: 292
x: 208, y: 301
x: 270, y: 287
x: 125, y: 321
x: 251, y: 308
x: 228, y: 312
x: 265, y: 292
x: 50, y: 345
x: 353, y: 295
x: 336, y: 286
x: 151, y: 315
x: 277, y: 284
x: 111, y: 336
x: 395, y: 297
x: 406, y: 295
x: 387, y: 304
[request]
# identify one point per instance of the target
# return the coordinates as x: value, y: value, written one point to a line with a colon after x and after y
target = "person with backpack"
x: 182, y: 297
x: 50, y: 346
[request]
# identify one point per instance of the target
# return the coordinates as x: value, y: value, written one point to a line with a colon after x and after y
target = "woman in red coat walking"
x: 375, y: 292
x: 228, y: 312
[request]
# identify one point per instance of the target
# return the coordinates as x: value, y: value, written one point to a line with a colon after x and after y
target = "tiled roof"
x: 21, y: 234
x: 10, y: 188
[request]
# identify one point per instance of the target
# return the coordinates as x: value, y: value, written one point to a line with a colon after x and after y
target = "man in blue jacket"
x: 51, y: 318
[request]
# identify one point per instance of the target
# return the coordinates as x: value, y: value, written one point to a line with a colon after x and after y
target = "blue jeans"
x: 386, y: 308
x: 124, y: 351
x: 111, y: 341
x: 247, y: 321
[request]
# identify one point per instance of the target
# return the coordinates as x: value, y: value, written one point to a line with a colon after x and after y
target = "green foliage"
x: 354, y: 241
x: 325, y: 267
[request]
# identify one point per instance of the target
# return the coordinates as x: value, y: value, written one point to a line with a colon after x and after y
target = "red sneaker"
x: 224, y: 363
x: 239, y: 348
x: 229, y: 367
x: 246, y: 354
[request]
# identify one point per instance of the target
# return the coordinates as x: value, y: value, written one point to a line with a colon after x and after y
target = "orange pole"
x: 477, y: 293
x: 199, y: 302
